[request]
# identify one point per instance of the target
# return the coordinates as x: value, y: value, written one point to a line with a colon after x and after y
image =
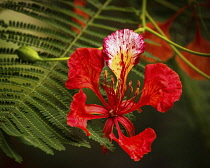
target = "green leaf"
x: 6, y: 146
x: 149, y: 55
x: 152, y: 42
x: 139, y: 69
x: 97, y: 135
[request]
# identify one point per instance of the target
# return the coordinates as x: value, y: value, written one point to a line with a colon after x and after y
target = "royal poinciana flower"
x: 163, y: 51
x: 199, y: 44
x: 121, y: 51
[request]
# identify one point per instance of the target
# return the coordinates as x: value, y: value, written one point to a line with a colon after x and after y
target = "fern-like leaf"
x: 97, y: 135
x: 6, y: 146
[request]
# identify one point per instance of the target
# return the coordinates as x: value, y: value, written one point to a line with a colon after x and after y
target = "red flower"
x: 163, y: 51
x: 121, y: 51
x: 79, y: 12
x: 199, y: 44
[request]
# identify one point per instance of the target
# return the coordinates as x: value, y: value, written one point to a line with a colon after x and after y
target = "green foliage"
x: 7, y: 147
x: 97, y: 135
x: 34, y: 102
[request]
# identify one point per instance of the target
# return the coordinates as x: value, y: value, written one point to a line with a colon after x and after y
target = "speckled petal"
x: 121, y: 51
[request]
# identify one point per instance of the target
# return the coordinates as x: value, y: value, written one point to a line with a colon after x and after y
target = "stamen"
x: 112, y: 80
x: 112, y: 85
x: 137, y: 91
x: 111, y: 91
x: 105, y: 74
x: 130, y: 83
x: 131, y: 90
x: 118, y: 89
x: 127, y: 102
x: 112, y: 113
x: 138, y: 83
x: 119, y: 82
x: 131, y: 101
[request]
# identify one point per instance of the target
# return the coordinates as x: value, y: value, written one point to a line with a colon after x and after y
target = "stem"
x: 169, y: 41
x: 190, y: 64
x: 55, y: 59
x: 143, y: 15
x: 172, y: 44
x: 176, y: 45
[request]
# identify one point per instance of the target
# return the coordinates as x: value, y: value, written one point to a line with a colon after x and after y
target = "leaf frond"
x: 34, y: 101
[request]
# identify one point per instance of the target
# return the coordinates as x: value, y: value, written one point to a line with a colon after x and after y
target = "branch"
x: 172, y: 44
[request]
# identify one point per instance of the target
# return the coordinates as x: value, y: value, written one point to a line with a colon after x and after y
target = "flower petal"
x: 138, y: 145
x: 96, y: 109
x: 162, y: 87
x: 127, y: 124
x: 80, y: 113
x: 79, y: 12
x: 108, y: 127
x: 199, y: 44
x: 85, y: 66
x: 121, y: 51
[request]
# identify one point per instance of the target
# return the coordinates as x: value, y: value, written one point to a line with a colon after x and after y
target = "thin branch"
x: 143, y: 15
x: 172, y: 44
x: 177, y: 45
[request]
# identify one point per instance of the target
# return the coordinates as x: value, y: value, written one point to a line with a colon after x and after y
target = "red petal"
x: 164, y: 51
x: 108, y: 127
x: 138, y: 145
x: 162, y: 87
x: 127, y: 124
x: 199, y: 44
x: 80, y: 113
x: 85, y: 66
x: 96, y: 109
x: 80, y: 13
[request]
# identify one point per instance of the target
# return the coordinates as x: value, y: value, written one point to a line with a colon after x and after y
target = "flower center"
x: 121, y: 97
x: 112, y: 113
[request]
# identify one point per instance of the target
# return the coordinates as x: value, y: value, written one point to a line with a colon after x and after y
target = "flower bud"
x: 28, y: 54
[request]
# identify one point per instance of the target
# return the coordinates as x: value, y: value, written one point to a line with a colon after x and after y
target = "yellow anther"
x: 105, y: 74
x: 112, y: 79
x: 130, y: 83
x: 137, y: 91
x: 138, y: 83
